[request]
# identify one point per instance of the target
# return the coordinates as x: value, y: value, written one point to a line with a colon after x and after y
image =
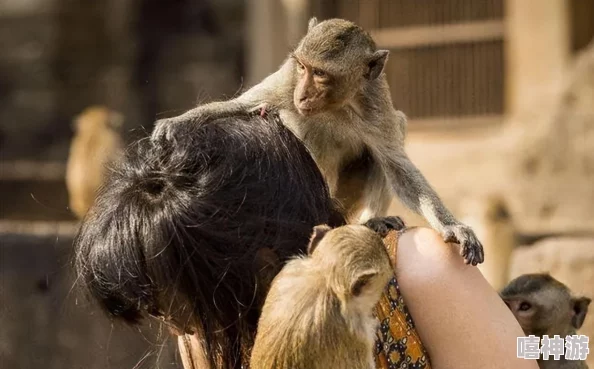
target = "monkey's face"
x: 357, y: 263
x: 318, y: 89
x: 98, y: 118
x: 526, y: 311
x: 333, y: 62
x: 542, y: 305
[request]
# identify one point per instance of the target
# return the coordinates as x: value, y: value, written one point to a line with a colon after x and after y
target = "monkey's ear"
x: 318, y: 233
x: 377, y: 64
x: 312, y: 23
x: 580, y: 308
x: 267, y: 264
x: 75, y: 124
x: 360, y: 282
x: 115, y: 120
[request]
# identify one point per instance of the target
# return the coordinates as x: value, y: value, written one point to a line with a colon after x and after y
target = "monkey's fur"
x: 332, y: 93
x: 544, y: 306
x: 318, y: 311
x: 96, y: 142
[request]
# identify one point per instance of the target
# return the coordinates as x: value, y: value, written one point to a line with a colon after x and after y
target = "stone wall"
x: 144, y: 58
x: 553, y: 164
x: 46, y: 322
x: 538, y: 168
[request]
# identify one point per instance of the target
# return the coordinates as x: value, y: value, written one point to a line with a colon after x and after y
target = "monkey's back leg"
x: 376, y: 195
x: 363, y: 190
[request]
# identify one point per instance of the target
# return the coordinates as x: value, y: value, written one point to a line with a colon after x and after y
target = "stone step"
x: 48, y: 323
x: 34, y: 200
x: 33, y: 190
x: 39, y: 228
x: 32, y: 170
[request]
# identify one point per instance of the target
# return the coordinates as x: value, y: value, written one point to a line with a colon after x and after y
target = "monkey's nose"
x: 303, y: 99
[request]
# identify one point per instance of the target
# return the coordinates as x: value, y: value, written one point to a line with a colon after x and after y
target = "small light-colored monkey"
x: 96, y: 142
x: 319, y: 310
x: 332, y: 93
x: 544, y: 306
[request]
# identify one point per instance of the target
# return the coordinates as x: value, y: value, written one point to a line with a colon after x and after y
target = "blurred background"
x: 499, y: 94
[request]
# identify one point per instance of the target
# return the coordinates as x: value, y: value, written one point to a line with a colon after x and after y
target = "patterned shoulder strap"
x: 398, y: 344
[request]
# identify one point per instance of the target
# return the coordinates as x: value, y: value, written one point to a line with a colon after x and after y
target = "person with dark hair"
x: 193, y: 231
x: 186, y: 224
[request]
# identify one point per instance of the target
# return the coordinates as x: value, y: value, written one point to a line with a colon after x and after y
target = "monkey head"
x: 542, y: 305
x: 355, y: 262
x: 97, y: 118
x: 333, y: 62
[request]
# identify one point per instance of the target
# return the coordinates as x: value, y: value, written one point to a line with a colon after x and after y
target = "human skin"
x: 462, y: 321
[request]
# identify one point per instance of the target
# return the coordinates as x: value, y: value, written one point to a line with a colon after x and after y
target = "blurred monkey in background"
x: 96, y: 142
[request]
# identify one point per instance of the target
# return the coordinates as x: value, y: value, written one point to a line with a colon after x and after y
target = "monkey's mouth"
x: 306, y: 111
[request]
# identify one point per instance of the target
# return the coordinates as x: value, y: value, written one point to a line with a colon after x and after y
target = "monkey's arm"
x: 415, y: 192
x: 263, y: 93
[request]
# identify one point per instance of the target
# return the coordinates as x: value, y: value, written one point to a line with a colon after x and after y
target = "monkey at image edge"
x: 333, y: 94
x: 97, y: 142
x: 544, y: 306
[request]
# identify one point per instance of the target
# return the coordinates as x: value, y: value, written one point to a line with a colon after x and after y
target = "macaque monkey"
x: 544, y: 306
x: 96, y: 142
x: 332, y: 93
x: 319, y: 310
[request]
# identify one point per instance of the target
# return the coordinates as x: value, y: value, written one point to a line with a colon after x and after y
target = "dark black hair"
x: 177, y: 227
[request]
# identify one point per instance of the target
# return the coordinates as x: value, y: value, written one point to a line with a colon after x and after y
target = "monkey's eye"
x: 357, y: 287
x: 300, y: 66
x: 319, y: 73
x: 524, y: 306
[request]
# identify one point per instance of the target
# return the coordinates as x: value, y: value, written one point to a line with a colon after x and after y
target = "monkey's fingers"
x: 395, y: 223
x: 166, y: 129
x: 450, y: 237
x: 473, y: 251
x: 471, y: 248
x: 383, y: 225
x: 161, y: 130
x: 261, y: 109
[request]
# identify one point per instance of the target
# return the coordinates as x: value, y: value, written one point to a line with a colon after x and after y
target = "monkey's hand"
x: 261, y: 110
x: 383, y: 225
x: 472, y: 249
x: 165, y: 129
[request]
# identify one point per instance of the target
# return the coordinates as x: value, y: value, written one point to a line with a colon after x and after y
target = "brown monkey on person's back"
x: 319, y: 310
x: 96, y: 142
x: 544, y: 306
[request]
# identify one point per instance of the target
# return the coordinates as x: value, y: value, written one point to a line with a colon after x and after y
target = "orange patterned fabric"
x: 398, y: 345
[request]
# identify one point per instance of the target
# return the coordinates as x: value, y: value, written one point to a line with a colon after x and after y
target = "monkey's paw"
x: 472, y: 249
x: 261, y: 110
x: 165, y: 129
x: 383, y: 225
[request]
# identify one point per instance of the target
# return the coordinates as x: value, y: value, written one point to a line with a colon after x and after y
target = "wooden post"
x: 537, y: 49
x: 273, y: 28
x: 297, y: 12
x: 266, y: 39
